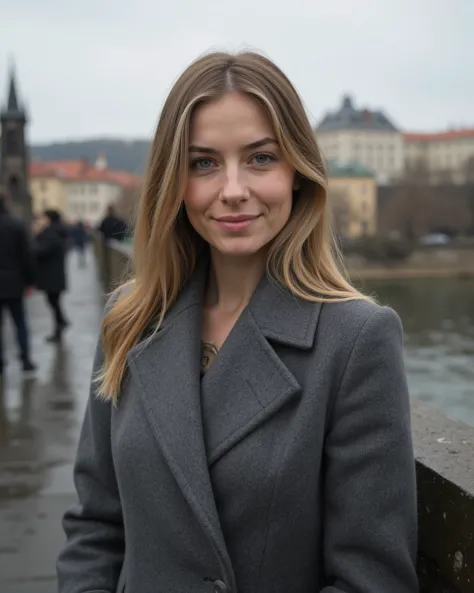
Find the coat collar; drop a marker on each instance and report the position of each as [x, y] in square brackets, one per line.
[281, 316]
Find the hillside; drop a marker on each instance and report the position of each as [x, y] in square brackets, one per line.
[123, 155]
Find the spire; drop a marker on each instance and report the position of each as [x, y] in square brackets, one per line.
[13, 110]
[12, 104]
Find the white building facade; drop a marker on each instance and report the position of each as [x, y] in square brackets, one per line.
[447, 156]
[363, 137]
[88, 199]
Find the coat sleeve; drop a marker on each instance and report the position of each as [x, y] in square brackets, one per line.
[92, 557]
[370, 523]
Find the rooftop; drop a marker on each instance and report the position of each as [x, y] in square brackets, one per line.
[439, 136]
[82, 170]
[348, 117]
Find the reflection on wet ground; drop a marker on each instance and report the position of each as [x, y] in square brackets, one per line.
[39, 424]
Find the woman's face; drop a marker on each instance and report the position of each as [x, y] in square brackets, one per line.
[239, 190]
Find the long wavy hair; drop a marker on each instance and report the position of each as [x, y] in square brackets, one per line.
[304, 257]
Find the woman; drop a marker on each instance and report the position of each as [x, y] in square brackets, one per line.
[248, 427]
[50, 249]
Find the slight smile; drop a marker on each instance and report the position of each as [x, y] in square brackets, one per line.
[236, 223]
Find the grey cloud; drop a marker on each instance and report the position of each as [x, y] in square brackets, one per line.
[103, 67]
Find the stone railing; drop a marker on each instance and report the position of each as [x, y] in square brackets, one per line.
[444, 451]
[114, 261]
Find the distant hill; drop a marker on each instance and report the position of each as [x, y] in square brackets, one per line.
[124, 155]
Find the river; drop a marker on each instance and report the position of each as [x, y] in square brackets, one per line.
[438, 318]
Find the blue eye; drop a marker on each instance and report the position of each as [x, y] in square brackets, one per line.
[262, 159]
[202, 164]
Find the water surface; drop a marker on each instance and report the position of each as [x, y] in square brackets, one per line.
[438, 318]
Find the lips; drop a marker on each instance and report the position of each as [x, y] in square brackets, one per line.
[237, 218]
[237, 222]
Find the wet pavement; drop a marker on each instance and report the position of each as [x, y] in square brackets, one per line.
[40, 421]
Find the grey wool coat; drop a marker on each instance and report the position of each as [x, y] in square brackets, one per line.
[288, 469]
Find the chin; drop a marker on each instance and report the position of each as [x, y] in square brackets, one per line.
[238, 247]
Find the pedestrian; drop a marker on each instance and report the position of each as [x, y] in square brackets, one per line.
[248, 427]
[112, 226]
[16, 279]
[51, 243]
[79, 239]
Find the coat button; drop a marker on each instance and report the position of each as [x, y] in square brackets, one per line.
[220, 587]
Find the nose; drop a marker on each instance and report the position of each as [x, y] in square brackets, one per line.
[234, 190]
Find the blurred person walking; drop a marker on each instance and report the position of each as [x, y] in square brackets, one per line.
[16, 278]
[51, 241]
[112, 226]
[79, 239]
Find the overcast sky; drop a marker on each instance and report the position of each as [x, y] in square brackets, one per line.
[97, 68]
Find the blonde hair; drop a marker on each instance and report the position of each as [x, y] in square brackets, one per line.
[304, 257]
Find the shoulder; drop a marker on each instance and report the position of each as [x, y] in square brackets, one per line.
[359, 321]
[355, 314]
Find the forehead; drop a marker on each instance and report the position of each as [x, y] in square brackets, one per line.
[235, 116]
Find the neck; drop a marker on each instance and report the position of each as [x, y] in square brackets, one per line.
[233, 280]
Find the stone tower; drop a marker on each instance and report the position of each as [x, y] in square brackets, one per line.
[14, 157]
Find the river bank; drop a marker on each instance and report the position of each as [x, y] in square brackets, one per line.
[432, 262]
[407, 273]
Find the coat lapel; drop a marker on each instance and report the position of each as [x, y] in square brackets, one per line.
[248, 382]
[166, 367]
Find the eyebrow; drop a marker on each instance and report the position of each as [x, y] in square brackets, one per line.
[252, 145]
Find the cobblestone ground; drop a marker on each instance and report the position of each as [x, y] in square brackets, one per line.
[39, 423]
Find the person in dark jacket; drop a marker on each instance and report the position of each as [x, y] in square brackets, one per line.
[79, 238]
[16, 277]
[113, 227]
[50, 248]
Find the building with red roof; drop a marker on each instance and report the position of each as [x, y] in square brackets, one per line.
[79, 189]
[448, 156]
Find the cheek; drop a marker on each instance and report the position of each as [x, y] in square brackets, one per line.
[194, 196]
[197, 201]
[278, 197]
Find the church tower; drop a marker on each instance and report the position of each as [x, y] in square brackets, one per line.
[14, 157]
